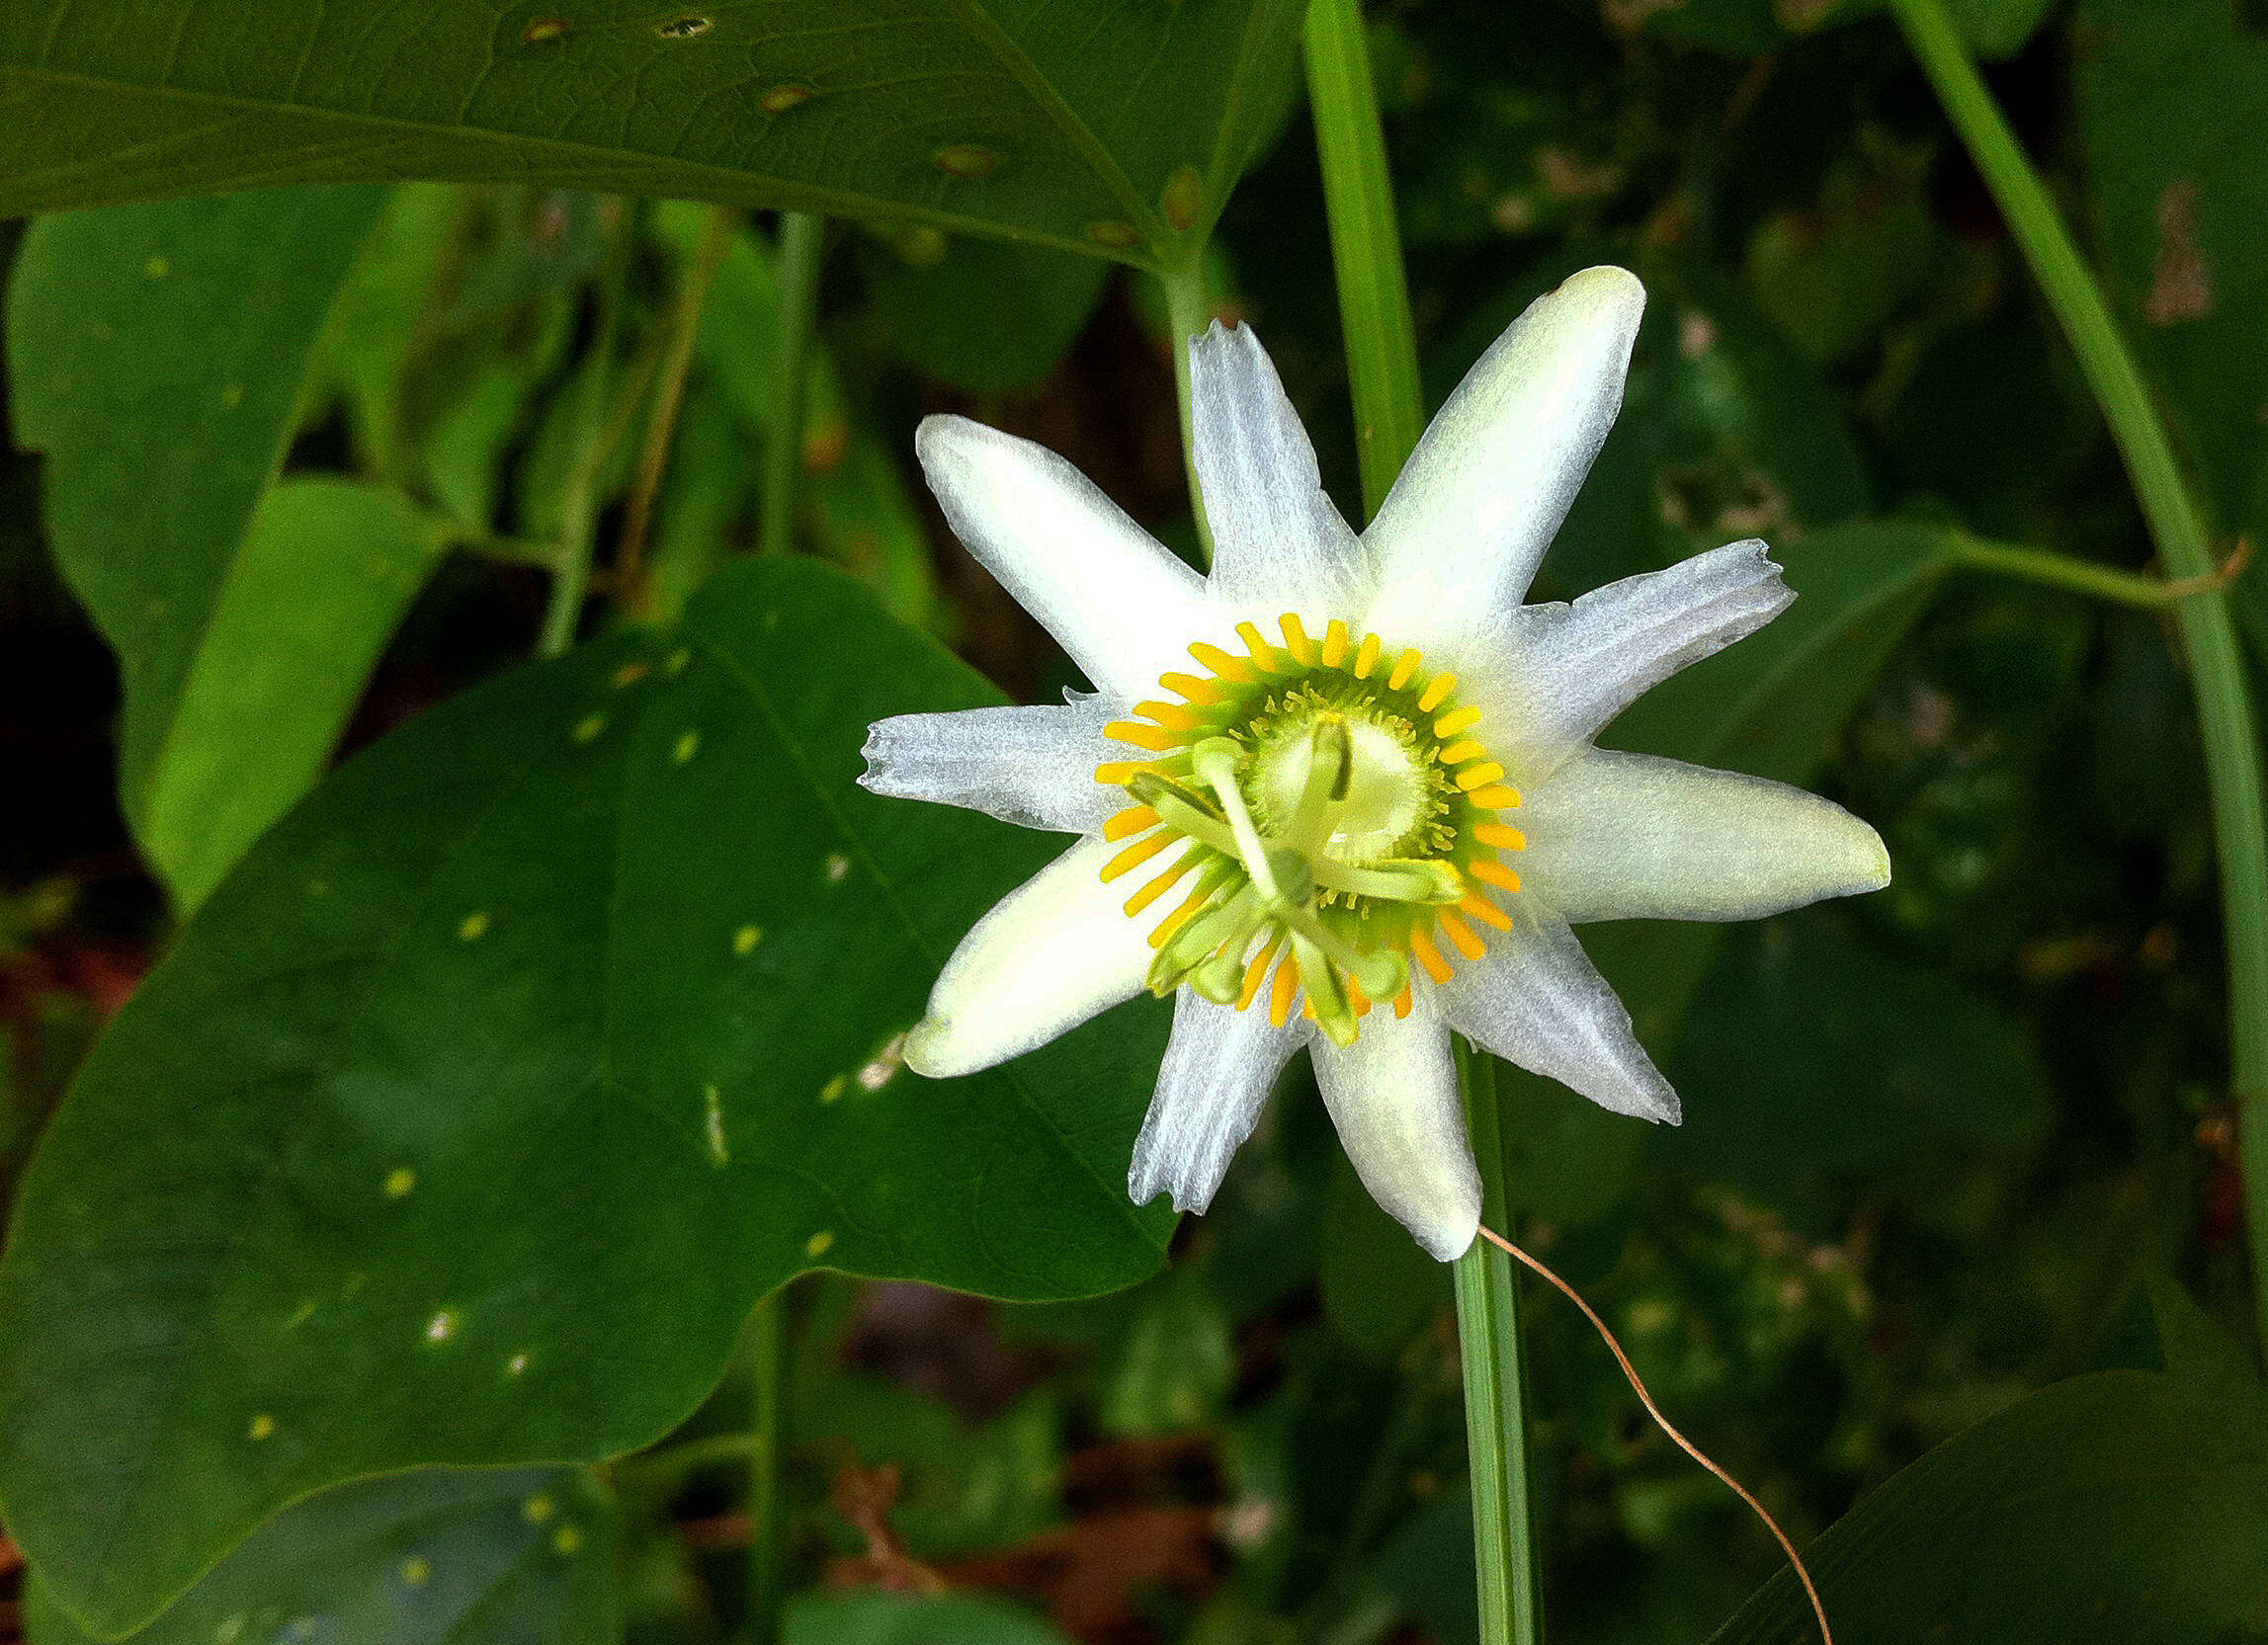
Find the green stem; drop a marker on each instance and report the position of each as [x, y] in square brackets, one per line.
[800, 234]
[2100, 581]
[1187, 313]
[1366, 246]
[579, 507]
[2216, 668]
[1496, 1407]
[764, 1349]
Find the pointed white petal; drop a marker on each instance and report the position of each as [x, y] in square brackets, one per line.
[1279, 543]
[1031, 767]
[1118, 601]
[1219, 1067]
[1537, 1001]
[1484, 492]
[1051, 954]
[1629, 836]
[1392, 1095]
[1564, 671]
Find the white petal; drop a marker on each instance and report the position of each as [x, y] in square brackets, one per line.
[1537, 1001]
[1629, 836]
[1219, 1067]
[1031, 767]
[1051, 954]
[1279, 542]
[1482, 495]
[1562, 671]
[1118, 601]
[1392, 1095]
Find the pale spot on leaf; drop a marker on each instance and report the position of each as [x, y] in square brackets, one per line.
[416, 1572]
[838, 867]
[780, 99]
[588, 727]
[819, 1243]
[744, 940]
[683, 28]
[399, 1181]
[884, 1065]
[714, 1103]
[542, 30]
[833, 1090]
[687, 745]
[157, 268]
[262, 1427]
[567, 1539]
[442, 1327]
[472, 926]
[538, 1508]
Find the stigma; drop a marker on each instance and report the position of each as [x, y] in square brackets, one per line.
[1330, 817]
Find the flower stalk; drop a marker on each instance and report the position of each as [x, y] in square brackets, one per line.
[2225, 711]
[801, 235]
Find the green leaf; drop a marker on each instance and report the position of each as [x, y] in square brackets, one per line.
[870, 1617]
[2181, 221]
[979, 314]
[1377, 1285]
[473, 1111]
[318, 588]
[2118, 1506]
[156, 356]
[437, 1557]
[1102, 128]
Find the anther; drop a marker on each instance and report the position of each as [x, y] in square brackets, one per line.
[1334, 644]
[1438, 693]
[1295, 639]
[1479, 777]
[1456, 720]
[1502, 837]
[1367, 656]
[1405, 669]
[1494, 872]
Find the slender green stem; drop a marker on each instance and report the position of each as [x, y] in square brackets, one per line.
[800, 234]
[1366, 246]
[1187, 315]
[763, 1351]
[2217, 667]
[579, 506]
[2100, 581]
[1496, 1406]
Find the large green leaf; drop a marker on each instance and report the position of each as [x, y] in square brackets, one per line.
[2181, 216]
[435, 1557]
[474, 1110]
[1097, 125]
[2120, 1507]
[872, 1617]
[156, 354]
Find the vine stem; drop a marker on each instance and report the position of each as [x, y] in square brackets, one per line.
[1389, 415]
[800, 234]
[763, 1352]
[1187, 313]
[595, 440]
[2217, 667]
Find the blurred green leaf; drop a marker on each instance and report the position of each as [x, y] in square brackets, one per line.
[2173, 108]
[156, 354]
[1174, 1367]
[477, 1107]
[1103, 128]
[983, 315]
[322, 580]
[2192, 1343]
[872, 1617]
[2113, 1508]
[436, 1557]
[1377, 1284]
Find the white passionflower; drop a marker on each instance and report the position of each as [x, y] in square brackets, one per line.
[1297, 781]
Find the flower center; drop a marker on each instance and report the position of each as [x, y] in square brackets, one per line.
[1336, 810]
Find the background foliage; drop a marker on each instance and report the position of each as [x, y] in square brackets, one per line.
[448, 1128]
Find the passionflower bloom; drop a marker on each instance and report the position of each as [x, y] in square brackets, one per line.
[1342, 793]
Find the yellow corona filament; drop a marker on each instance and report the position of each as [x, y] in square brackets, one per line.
[1486, 911]
[1468, 940]
[1118, 772]
[1180, 916]
[1497, 798]
[1402, 1002]
[1295, 639]
[1195, 686]
[1479, 777]
[1172, 716]
[1136, 854]
[1429, 956]
[1132, 820]
[1404, 666]
[1263, 655]
[1456, 720]
[1499, 836]
[1367, 656]
[1279, 995]
[1456, 753]
[1158, 886]
[1255, 972]
[1334, 644]
[1156, 738]
[1438, 693]
[1356, 998]
[1226, 664]
[1489, 872]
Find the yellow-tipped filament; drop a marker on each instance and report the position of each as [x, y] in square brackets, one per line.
[1338, 812]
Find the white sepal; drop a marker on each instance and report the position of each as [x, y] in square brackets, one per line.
[1632, 836]
[1051, 954]
[1031, 767]
[1279, 542]
[1393, 1096]
[1117, 601]
[1480, 498]
[1219, 1067]
[1537, 1001]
